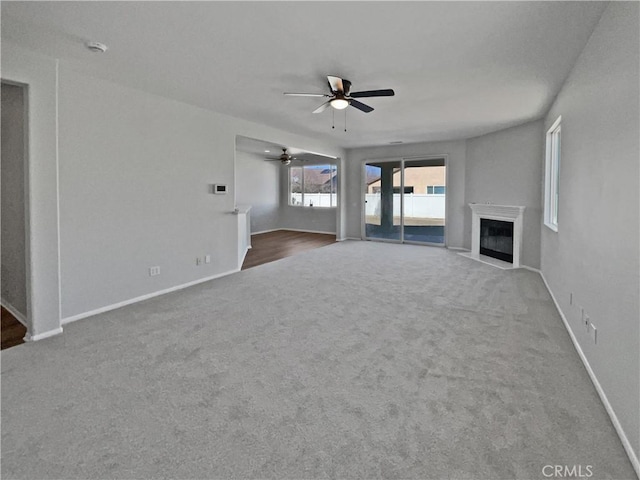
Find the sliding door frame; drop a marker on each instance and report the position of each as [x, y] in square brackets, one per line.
[363, 191]
[402, 160]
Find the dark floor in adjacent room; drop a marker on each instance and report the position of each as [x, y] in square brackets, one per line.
[13, 331]
[272, 246]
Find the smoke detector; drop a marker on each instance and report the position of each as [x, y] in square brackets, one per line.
[96, 47]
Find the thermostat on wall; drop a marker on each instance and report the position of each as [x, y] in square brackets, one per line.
[219, 189]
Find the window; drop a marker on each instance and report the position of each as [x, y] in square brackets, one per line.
[436, 189]
[552, 175]
[313, 186]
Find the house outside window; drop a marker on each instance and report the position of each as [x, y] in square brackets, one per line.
[552, 175]
[313, 186]
[436, 190]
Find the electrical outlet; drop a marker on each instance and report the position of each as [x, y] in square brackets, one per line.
[153, 271]
[207, 259]
[593, 332]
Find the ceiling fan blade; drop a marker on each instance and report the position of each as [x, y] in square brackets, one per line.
[346, 84]
[373, 93]
[335, 83]
[322, 107]
[361, 106]
[306, 94]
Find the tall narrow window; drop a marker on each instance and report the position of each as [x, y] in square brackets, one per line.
[552, 176]
[313, 186]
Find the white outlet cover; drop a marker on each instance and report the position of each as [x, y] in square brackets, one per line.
[207, 259]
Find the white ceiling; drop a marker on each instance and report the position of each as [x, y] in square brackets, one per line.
[459, 69]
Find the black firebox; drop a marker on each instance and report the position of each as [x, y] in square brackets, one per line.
[496, 239]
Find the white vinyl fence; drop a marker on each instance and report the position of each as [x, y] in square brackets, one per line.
[315, 199]
[415, 205]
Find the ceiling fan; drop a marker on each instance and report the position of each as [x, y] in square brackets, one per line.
[341, 95]
[284, 158]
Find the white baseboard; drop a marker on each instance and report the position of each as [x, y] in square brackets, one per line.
[536, 270]
[458, 249]
[292, 230]
[266, 231]
[41, 336]
[97, 311]
[353, 238]
[14, 311]
[603, 397]
[307, 231]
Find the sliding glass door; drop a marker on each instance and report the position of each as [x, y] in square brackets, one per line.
[424, 201]
[405, 200]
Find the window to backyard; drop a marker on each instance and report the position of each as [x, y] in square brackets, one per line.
[313, 186]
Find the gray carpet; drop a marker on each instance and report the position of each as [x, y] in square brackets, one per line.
[356, 360]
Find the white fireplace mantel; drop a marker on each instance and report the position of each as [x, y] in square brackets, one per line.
[506, 213]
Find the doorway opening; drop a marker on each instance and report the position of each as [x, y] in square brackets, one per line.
[405, 200]
[14, 237]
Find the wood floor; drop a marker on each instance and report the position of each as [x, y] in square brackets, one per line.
[271, 246]
[13, 331]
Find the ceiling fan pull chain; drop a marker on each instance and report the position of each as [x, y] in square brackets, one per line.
[333, 118]
[345, 120]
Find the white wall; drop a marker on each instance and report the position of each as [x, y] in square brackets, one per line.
[595, 253]
[134, 176]
[14, 267]
[258, 185]
[505, 168]
[456, 159]
[39, 73]
[135, 170]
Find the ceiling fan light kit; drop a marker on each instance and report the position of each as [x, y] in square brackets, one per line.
[339, 103]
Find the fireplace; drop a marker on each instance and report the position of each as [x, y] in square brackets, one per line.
[496, 239]
[509, 244]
